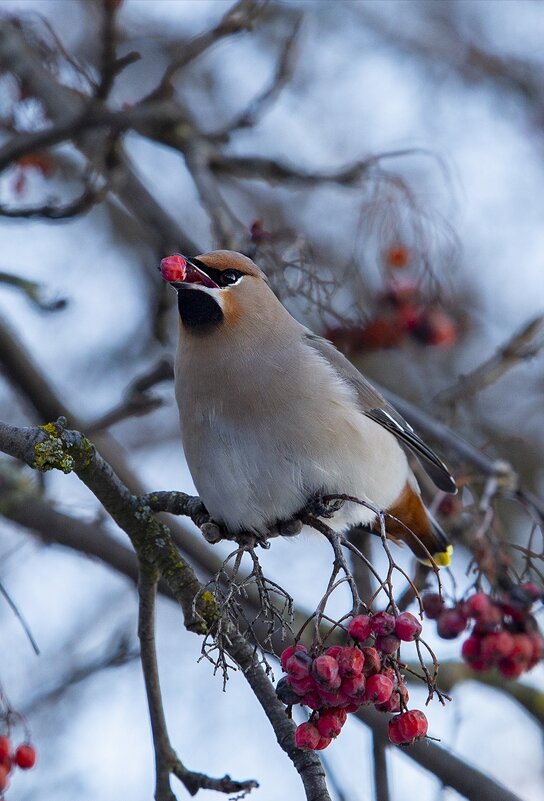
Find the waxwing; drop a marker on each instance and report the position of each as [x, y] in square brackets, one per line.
[273, 416]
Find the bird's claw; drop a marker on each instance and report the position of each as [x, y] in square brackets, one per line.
[319, 506]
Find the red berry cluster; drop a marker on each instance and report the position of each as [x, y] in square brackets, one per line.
[343, 678]
[23, 757]
[504, 633]
[404, 312]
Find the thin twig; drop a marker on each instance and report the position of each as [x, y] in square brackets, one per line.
[15, 609]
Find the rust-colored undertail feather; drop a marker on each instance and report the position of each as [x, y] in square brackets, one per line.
[408, 521]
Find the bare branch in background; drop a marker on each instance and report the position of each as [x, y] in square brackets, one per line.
[452, 771]
[51, 211]
[238, 18]
[381, 780]
[258, 107]
[36, 293]
[522, 347]
[117, 653]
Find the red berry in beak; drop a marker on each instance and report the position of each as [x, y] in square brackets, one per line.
[174, 268]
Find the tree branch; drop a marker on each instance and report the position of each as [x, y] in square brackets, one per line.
[450, 769]
[524, 345]
[166, 759]
[238, 18]
[53, 447]
[379, 758]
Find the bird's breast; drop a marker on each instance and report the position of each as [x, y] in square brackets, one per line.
[260, 442]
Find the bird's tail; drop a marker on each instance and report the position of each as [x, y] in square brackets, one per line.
[409, 521]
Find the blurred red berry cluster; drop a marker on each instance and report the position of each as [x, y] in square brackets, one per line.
[403, 312]
[343, 678]
[503, 634]
[24, 757]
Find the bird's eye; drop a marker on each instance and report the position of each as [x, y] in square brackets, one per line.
[229, 277]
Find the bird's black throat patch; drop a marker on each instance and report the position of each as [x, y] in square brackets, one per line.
[198, 310]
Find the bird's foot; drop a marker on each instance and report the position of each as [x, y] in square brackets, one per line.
[318, 506]
[289, 528]
[214, 532]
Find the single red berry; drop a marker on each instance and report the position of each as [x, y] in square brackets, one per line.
[450, 623]
[433, 605]
[359, 628]
[302, 686]
[350, 662]
[25, 756]
[373, 661]
[298, 665]
[285, 692]
[497, 645]
[288, 652]
[382, 623]
[335, 697]
[397, 256]
[471, 648]
[312, 700]
[354, 686]
[258, 233]
[307, 736]
[330, 723]
[387, 643]
[522, 650]
[5, 748]
[407, 627]
[174, 268]
[394, 733]
[449, 506]
[413, 725]
[323, 743]
[334, 650]
[325, 669]
[394, 704]
[378, 689]
[511, 669]
[471, 651]
[353, 707]
[478, 605]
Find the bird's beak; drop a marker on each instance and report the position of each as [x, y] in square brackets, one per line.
[180, 271]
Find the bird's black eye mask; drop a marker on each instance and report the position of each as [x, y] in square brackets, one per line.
[222, 278]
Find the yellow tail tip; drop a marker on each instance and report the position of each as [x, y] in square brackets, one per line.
[441, 559]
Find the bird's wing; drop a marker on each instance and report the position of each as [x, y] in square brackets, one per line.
[378, 409]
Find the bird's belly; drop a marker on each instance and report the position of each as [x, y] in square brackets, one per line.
[249, 477]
